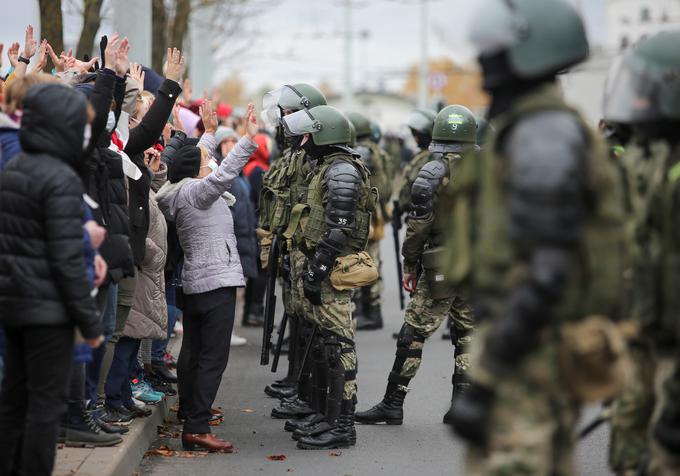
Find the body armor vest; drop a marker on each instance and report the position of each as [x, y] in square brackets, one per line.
[307, 223]
[410, 173]
[283, 186]
[600, 265]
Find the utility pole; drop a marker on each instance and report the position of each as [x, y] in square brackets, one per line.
[348, 92]
[423, 70]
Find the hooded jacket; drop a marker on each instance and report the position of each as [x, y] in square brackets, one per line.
[43, 278]
[204, 224]
[9, 139]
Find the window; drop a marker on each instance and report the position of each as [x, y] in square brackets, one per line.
[623, 44]
[645, 15]
[625, 21]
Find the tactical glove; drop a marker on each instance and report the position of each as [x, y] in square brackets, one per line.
[471, 413]
[667, 429]
[312, 290]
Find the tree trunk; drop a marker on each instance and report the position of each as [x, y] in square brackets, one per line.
[159, 27]
[180, 23]
[51, 25]
[91, 22]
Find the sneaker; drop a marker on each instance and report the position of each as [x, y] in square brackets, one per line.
[169, 360]
[143, 392]
[138, 404]
[158, 385]
[97, 414]
[83, 431]
[117, 416]
[238, 341]
[136, 411]
[179, 329]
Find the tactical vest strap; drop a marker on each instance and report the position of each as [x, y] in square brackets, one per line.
[295, 217]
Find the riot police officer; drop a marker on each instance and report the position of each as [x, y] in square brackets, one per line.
[331, 222]
[367, 300]
[548, 259]
[643, 99]
[433, 298]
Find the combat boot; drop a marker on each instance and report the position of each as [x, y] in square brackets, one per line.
[373, 319]
[390, 410]
[460, 385]
[292, 410]
[342, 434]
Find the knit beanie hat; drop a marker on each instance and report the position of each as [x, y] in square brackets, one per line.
[186, 163]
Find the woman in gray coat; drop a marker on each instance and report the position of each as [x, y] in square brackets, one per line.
[197, 200]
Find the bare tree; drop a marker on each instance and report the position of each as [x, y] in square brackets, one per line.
[51, 23]
[91, 21]
[159, 38]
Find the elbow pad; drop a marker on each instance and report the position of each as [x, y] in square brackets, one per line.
[329, 248]
[425, 188]
[344, 184]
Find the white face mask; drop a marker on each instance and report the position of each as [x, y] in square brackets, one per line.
[87, 134]
[110, 122]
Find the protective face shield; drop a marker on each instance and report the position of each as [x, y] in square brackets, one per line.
[87, 135]
[421, 121]
[496, 29]
[641, 92]
[299, 123]
[283, 98]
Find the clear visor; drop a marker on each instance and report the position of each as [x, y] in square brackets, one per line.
[632, 95]
[494, 27]
[285, 98]
[419, 121]
[299, 123]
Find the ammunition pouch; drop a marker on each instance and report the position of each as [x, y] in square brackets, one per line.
[353, 271]
[432, 261]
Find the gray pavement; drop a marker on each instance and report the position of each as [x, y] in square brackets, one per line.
[423, 445]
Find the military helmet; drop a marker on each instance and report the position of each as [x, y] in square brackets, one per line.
[643, 85]
[291, 98]
[455, 124]
[421, 120]
[361, 123]
[326, 124]
[353, 135]
[376, 132]
[540, 37]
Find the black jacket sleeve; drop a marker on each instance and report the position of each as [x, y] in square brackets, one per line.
[102, 94]
[150, 129]
[63, 205]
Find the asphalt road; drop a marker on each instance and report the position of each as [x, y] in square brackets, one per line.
[422, 445]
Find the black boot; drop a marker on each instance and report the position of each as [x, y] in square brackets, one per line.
[253, 315]
[83, 431]
[460, 384]
[161, 371]
[340, 435]
[361, 303]
[281, 392]
[389, 410]
[373, 319]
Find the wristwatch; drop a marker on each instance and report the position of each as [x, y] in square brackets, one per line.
[24, 60]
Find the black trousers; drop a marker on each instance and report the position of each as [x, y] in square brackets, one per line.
[208, 322]
[34, 395]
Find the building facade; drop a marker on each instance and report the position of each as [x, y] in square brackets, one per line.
[630, 20]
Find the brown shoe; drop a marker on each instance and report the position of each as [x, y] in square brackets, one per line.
[205, 441]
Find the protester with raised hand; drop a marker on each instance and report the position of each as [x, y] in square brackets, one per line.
[194, 201]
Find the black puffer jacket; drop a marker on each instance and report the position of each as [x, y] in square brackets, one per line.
[43, 277]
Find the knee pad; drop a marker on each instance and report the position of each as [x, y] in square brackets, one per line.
[409, 334]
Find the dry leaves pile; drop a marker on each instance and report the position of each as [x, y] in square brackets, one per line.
[168, 452]
[277, 457]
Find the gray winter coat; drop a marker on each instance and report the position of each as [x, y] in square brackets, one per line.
[204, 224]
[149, 314]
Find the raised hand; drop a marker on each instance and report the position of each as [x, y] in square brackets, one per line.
[57, 61]
[122, 61]
[30, 44]
[13, 54]
[42, 56]
[174, 64]
[209, 116]
[186, 91]
[137, 74]
[176, 121]
[110, 51]
[251, 122]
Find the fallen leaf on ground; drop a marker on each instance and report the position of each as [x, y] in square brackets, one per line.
[336, 453]
[191, 454]
[277, 457]
[247, 410]
[174, 408]
[161, 451]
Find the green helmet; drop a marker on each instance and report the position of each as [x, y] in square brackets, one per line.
[353, 135]
[290, 98]
[455, 124]
[644, 84]
[421, 120]
[361, 123]
[541, 37]
[376, 132]
[326, 124]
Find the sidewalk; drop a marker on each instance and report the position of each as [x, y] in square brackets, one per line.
[123, 459]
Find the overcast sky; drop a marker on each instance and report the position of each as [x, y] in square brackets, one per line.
[302, 40]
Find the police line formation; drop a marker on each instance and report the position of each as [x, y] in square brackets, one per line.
[553, 253]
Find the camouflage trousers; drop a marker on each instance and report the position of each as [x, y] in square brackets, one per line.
[532, 419]
[426, 315]
[634, 413]
[333, 316]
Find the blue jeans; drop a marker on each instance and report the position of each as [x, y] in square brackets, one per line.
[158, 347]
[124, 366]
[109, 323]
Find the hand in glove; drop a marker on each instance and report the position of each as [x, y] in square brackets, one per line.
[471, 413]
[312, 290]
[667, 429]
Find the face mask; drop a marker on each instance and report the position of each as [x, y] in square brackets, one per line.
[110, 122]
[87, 134]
